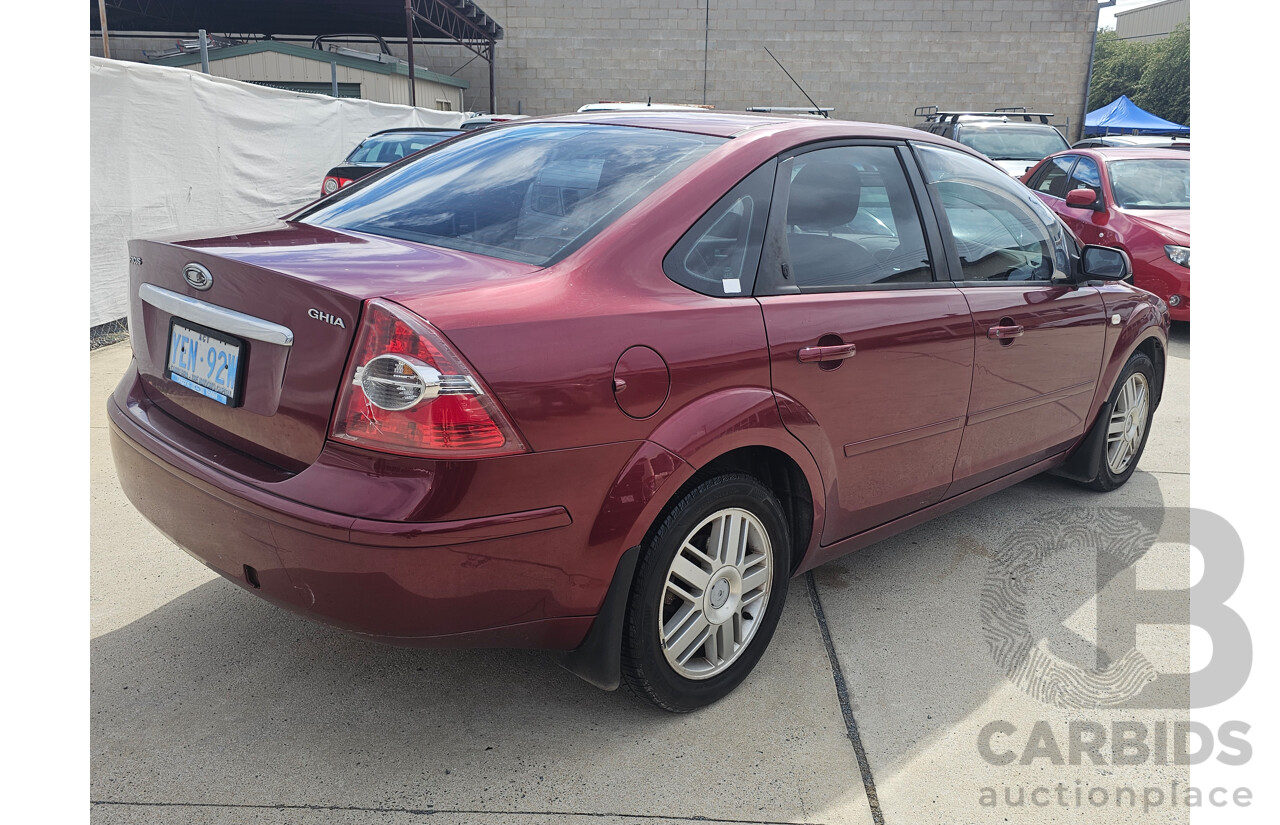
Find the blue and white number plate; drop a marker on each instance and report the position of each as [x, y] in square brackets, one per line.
[205, 361]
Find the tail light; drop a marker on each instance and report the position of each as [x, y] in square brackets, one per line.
[407, 392]
[333, 183]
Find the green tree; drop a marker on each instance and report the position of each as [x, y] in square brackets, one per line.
[1156, 75]
[1165, 87]
[1118, 66]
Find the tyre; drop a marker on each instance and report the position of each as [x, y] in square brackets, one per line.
[1128, 425]
[709, 589]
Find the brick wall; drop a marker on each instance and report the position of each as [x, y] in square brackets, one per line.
[870, 59]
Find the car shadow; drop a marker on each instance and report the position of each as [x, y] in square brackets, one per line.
[218, 699]
[922, 629]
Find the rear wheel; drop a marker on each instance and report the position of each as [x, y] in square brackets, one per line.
[708, 593]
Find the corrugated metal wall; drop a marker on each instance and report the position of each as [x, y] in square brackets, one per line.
[273, 67]
[1152, 22]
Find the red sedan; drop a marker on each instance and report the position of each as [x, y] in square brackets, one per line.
[604, 383]
[1136, 199]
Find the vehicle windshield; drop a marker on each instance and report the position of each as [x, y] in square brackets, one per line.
[525, 193]
[384, 149]
[1012, 142]
[1151, 184]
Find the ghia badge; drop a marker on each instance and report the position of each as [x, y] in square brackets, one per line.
[326, 317]
[197, 276]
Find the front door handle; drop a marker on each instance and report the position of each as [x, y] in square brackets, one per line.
[1004, 333]
[839, 352]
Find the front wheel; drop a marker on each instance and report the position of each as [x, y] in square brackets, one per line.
[707, 596]
[1129, 424]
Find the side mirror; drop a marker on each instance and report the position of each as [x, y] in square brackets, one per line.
[1104, 263]
[1083, 199]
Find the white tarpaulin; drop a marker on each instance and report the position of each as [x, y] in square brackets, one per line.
[173, 150]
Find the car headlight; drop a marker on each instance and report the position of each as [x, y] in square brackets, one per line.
[1180, 255]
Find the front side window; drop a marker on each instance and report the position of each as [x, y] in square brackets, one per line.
[1002, 232]
[1052, 177]
[1085, 176]
[528, 193]
[851, 221]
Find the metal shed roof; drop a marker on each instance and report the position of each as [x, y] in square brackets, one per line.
[316, 55]
[452, 19]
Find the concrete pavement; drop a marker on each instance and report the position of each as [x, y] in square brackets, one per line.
[209, 705]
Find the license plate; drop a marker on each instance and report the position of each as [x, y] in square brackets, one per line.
[206, 361]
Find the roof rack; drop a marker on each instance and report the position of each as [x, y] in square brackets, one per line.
[819, 111]
[1013, 113]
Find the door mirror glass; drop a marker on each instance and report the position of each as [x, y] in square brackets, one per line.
[1104, 263]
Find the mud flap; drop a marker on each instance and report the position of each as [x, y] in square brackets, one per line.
[598, 659]
[1086, 462]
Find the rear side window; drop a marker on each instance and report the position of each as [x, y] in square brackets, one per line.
[851, 221]
[719, 255]
[526, 193]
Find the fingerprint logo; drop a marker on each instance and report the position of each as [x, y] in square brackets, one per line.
[1094, 540]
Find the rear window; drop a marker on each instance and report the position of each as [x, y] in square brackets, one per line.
[528, 193]
[1012, 142]
[391, 148]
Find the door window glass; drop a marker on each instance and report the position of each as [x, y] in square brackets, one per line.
[1052, 177]
[851, 221]
[1085, 176]
[1002, 232]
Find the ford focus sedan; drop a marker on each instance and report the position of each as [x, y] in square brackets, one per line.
[603, 383]
[1135, 199]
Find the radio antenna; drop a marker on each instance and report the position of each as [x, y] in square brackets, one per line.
[816, 107]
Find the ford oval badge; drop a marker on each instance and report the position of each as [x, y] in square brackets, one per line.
[198, 276]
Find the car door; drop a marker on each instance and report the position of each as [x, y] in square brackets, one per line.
[1090, 225]
[1038, 337]
[871, 354]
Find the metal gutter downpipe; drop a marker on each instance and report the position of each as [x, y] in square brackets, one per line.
[1088, 75]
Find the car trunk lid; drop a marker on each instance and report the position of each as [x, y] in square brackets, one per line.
[279, 312]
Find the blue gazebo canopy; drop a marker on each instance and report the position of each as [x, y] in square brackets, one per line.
[1123, 117]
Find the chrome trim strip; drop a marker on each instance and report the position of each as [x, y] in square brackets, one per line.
[227, 320]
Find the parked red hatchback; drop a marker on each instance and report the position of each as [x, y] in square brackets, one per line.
[603, 383]
[1136, 199]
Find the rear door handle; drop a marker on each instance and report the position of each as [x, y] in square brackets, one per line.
[838, 352]
[1005, 333]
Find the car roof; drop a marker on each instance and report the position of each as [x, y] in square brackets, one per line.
[984, 123]
[731, 124]
[1105, 153]
[1136, 140]
[415, 130]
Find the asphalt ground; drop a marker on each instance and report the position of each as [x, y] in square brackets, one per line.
[989, 657]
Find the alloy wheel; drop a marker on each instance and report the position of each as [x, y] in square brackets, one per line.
[715, 594]
[1128, 423]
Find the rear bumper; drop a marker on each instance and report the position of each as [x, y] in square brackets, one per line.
[509, 580]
